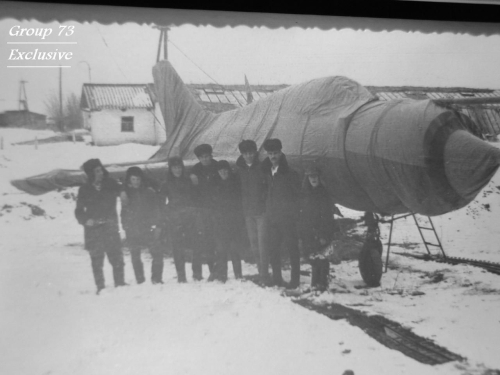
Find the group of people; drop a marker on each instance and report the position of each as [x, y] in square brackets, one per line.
[203, 210]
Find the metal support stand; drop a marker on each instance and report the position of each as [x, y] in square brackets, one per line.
[420, 230]
[433, 229]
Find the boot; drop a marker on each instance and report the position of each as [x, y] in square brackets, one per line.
[315, 273]
[324, 273]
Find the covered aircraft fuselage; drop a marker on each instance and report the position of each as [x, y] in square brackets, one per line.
[387, 157]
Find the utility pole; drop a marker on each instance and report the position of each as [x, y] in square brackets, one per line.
[88, 66]
[163, 37]
[23, 103]
[23, 98]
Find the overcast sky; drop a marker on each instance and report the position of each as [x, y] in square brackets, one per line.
[126, 54]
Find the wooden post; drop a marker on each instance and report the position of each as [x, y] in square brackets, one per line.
[1, 143]
[73, 137]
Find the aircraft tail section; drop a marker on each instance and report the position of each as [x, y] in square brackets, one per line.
[177, 104]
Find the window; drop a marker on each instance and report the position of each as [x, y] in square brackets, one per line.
[128, 124]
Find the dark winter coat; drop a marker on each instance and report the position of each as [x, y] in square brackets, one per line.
[253, 187]
[228, 213]
[283, 193]
[179, 214]
[179, 191]
[208, 178]
[140, 213]
[316, 217]
[100, 206]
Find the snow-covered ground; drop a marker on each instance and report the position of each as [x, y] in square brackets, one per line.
[51, 321]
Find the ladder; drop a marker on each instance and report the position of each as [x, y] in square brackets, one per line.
[422, 228]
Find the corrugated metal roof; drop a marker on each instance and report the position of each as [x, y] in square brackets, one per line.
[235, 95]
[485, 116]
[115, 96]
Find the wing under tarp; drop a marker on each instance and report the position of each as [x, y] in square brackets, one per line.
[64, 178]
[386, 157]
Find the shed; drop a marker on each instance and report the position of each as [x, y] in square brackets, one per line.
[121, 113]
[20, 118]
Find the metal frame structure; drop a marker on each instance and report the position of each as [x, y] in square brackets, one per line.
[420, 230]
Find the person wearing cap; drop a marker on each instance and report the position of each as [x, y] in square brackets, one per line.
[316, 225]
[205, 178]
[96, 211]
[253, 194]
[228, 222]
[140, 219]
[179, 215]
[282, 209]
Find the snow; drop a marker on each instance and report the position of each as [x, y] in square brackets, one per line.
[53, 323]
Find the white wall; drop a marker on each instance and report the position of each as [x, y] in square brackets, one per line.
[105, 126]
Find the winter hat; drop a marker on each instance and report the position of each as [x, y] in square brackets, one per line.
[89, 166]
[175, 160]
[247, 145]
[134, 171]
[202, 150]
[313, 171]
[223, 164]
[272, 144]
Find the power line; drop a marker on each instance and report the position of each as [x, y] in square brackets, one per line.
[112, 57]
[208, 75]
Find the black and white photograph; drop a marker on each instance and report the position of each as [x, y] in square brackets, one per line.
[222, 192]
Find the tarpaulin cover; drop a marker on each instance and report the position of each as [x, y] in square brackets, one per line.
[387, 157]
[382, 156]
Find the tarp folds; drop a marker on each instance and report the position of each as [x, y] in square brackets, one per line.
[302, 116]
[386, 157]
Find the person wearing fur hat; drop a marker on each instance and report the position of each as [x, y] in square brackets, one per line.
[179, 215]
[282, 209]
[228, 222]
[96, 211]
[205, 177]
[140, 219]
[316, 225]
[253, 193]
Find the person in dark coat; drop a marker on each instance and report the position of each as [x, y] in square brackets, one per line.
[227, 222]
[180, 215]
[316, 225]
[253, 191]
[282, 209]
[205, 177]
[140, 217]
[96, 211]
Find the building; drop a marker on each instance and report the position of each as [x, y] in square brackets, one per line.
[485, 116]
[20, 118]
[121, 113]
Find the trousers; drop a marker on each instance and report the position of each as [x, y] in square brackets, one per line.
[255, 226]
[106, 242]
[282, 232]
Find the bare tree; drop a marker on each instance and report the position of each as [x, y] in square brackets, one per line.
[71, 114]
